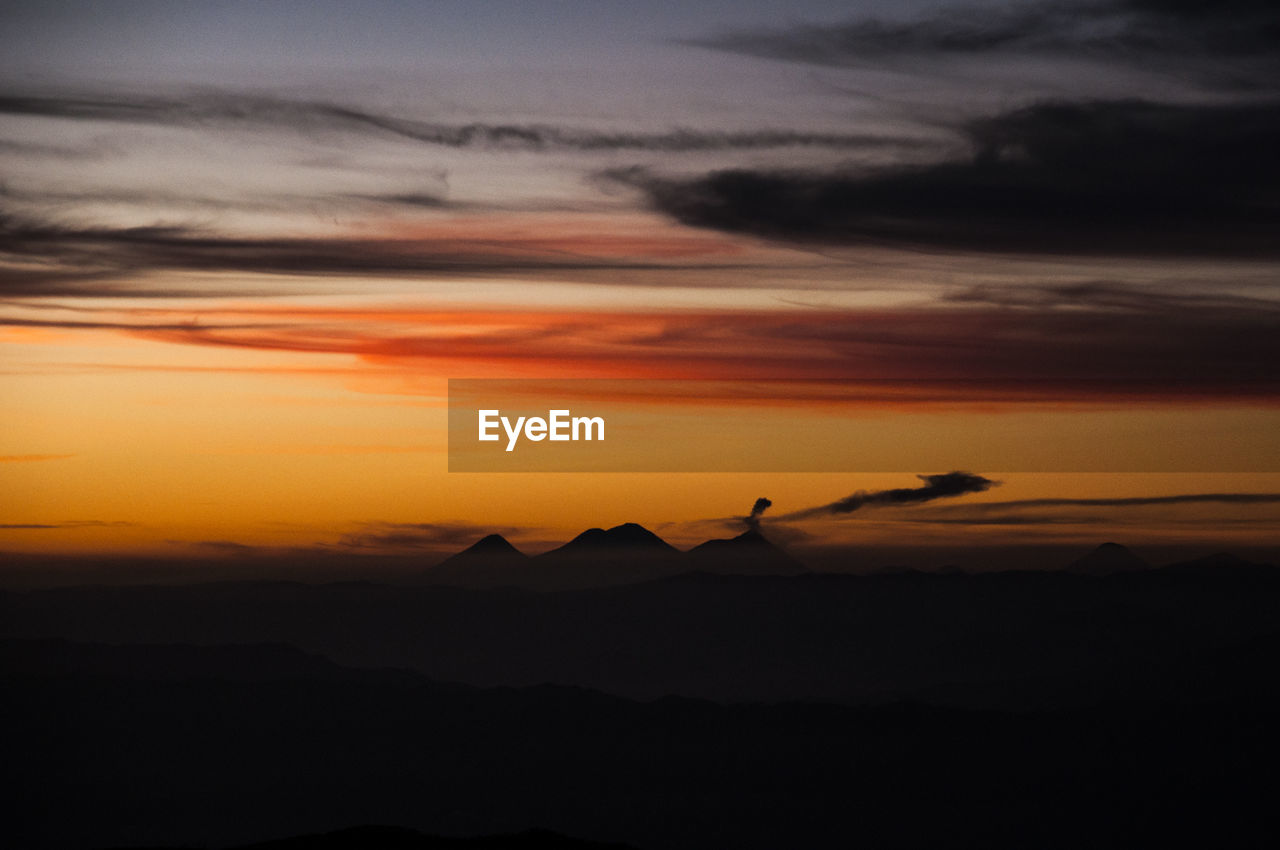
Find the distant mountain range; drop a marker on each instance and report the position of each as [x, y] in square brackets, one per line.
[630, 553]
[624, 554]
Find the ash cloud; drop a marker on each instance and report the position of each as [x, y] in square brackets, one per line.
[941, 486]
[752, 519]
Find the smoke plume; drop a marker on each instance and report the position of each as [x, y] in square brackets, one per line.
[753, 519]
[935, 487]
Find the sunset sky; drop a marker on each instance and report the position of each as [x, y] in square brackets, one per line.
[244, 246]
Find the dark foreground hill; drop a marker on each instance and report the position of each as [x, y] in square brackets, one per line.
[1009, 640]
[400, 838]
[165, 746]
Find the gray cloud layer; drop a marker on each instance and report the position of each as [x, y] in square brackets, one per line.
[1127, 178]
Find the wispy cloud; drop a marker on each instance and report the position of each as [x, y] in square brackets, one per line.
[47, 258]
[419, 535]
[250, 112]
[1134, 501]
[946, 485]
[1083, 511]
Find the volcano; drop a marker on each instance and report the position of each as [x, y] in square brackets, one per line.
[750, 553]
[624, 554]
[1106, 559]
[626, 540]
[489, 562]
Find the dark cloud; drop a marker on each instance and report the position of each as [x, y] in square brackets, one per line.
[418, 199]
[1236, 42]
[240, 111]
[1135, 501]
[1165, 298]
[197, 201]
[954, 29]
[70, 283]
[418, 535]
[47, 258]
[1075, 511]
[71, 324]
[1127, 178]
[941, 486]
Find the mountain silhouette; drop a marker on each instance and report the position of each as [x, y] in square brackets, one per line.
[628, 539]
[749, 553]
[624, 554]
[489, 562]
[491, 545]
[1106, 559]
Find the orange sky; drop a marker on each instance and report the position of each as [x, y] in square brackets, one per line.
[329, 421]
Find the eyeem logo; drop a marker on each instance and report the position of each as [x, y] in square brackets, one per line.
[558, 427]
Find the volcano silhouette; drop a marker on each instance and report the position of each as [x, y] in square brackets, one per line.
[1106, 559]
[489, 562]
[626, 540]
[623, 554]
[749, 553]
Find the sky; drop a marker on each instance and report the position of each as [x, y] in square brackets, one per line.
[244, 246]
